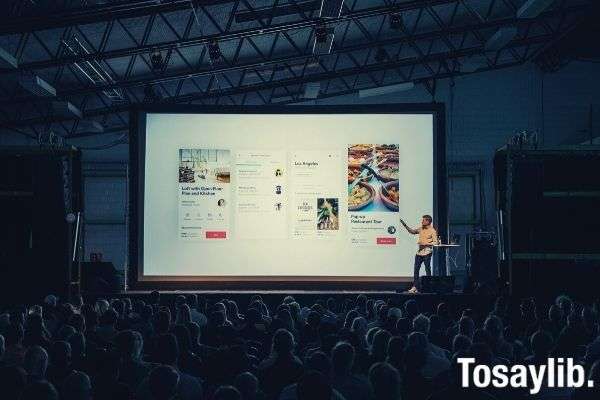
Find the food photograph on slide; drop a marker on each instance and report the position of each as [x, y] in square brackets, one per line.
[373, 184]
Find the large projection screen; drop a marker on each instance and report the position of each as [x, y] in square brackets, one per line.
[284, 194]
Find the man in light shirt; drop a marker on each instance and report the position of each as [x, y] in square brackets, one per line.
[427, 238]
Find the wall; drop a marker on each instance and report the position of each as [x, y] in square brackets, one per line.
[483, 111]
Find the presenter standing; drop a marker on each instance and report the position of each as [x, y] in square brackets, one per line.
[427, 238]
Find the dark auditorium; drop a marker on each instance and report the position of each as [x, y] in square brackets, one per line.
[175, 222]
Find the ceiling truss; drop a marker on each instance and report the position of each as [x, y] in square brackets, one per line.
[264, 52]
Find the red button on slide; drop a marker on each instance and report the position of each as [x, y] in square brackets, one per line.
[216, 234]
[386, 240]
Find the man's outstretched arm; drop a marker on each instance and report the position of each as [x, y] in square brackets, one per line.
[408, 228]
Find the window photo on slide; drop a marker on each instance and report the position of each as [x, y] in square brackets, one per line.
[209, 165]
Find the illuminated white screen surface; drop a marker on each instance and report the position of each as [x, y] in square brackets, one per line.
[247, 234]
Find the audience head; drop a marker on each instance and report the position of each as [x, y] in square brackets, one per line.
[385, 381]
[411, 308]
[13, 335]
[129, 344]
[395, 350]
[421, 324]
[192, 300]
[109, 318]
[35, 363]
[163, 382]
[565, 303]
[555, 314]
[155, 297]
[461, 343]
[466, 326]
[184, 314]
[227, 393]
[247, 384]
[380, 344]
[418, 340]
[318, 361]
[283, 342]
[541, 344]
[78, 345]
[102, 306]
[482, 353]
[313, 385]
[167, 349]
[77, 386]
[443, 311]
[342, 358]
[371, 334]
[60, 354]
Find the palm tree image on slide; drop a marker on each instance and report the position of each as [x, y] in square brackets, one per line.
[327, 214]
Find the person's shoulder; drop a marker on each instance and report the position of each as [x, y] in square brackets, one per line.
[266, 363]
[189, 380]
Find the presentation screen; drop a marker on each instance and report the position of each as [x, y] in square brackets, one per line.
[309, 195]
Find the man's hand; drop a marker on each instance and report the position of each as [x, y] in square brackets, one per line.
[410, 230]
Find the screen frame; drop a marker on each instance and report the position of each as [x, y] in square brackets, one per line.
[136, 175]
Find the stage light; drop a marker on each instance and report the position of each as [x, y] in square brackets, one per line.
[151, 94]
[533, 8]
[214, 51]
[156, 59]
[378, 91]
[396, 22]
[323, 40]
[381, 55]
[501, 38]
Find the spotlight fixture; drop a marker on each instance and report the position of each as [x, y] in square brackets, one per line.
[151, 94]
[381, 55]
[396, 22]
[156, 59]
[323, 40]
[321, 34]
[214, 51]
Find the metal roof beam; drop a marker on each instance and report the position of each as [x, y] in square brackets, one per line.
[261, 64]
[231, 35]
[295, 81]
[91, 15]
